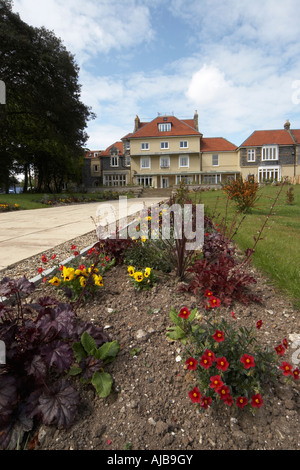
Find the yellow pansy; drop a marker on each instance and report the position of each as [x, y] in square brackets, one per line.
[92, 268]
[130, 270]
[98, 280]
[143, 239]
[81, 272]
[147, 272]
[55, 281]
[82, 281]
[68, 273]
[138, 276]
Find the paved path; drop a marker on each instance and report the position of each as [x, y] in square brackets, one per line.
[29, 232]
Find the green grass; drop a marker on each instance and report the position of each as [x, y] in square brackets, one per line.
[278, 254]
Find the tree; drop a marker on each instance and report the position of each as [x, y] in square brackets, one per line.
[42, 125]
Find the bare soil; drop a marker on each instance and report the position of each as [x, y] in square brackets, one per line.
[149, 407]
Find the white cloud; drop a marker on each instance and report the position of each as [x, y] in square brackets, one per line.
[90, 27]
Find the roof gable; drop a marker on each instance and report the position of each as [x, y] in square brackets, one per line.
[118, 145]
[178, 128]
[259, 138]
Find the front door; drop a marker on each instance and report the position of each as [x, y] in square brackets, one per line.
[165, 182]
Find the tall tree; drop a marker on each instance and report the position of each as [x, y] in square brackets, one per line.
[43, 122]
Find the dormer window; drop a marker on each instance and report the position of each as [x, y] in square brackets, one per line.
[164, 127]
[114, 160]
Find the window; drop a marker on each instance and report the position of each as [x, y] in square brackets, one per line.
[144, 180]
[269, 152]
[96, 168]
[127, 145]
[127, 160]
[165, 162]
[251, 153]
[96, 154]
[215, 160]
[145, 162]
[164, 127]
[184, 161]
[269, 173]
[183, 144]
[115, 180]
[164, 145]
[187, 179]
[211, 179]
[144, 146]
[114, 161]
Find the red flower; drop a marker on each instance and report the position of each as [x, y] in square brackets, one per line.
[61, 267]
[53, 256]
[287, 368]
[208, 293]
[106, 258]
[228, 400]
[73, 247]
[44, 259]
[206, 402]
[218, 336]
[296, 373]
[280, 350]
[81, 267]
[205, 361]
[216, 382]
[195, 395]
[285, 343]
[222, 363]
[223, 391]
[233, 315]
[40, 270]
[44, 279]
[214, 302]
[256, 401]
[75, 253]
[184, 313]
[191, 363]
[248, 361]
[259, 324]
[241, 402]
[210, 355]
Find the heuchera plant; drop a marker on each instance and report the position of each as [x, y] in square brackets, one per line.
[229, 363]
[34, 382]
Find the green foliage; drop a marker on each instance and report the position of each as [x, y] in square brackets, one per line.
[90, 361]
[243, 192]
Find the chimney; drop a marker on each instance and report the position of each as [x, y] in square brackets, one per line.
[136, 123]
[287, 125]
[196, 121]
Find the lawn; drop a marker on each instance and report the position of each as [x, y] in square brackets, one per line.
[278, 253]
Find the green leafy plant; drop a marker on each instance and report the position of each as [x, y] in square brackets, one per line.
[243, 192]
[230, 364]
[90, 361]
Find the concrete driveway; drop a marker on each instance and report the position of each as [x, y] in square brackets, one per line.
[30, 232]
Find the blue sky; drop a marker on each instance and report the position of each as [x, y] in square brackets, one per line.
[236, 62]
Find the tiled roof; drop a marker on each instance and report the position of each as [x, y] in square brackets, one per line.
[106, 153]
[258, 138]
[91, 153]
[216, 144]
[178, 128]
[296, 134]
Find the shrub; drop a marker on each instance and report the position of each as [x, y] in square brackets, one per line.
[244, 193]
[34, 383]
[230, 365]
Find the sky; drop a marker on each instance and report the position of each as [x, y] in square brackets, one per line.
[234, 61]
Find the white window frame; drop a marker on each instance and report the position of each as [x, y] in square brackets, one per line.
[251, 155]
[214, 155]
[183, 144]
[164, 145]
[167, 162]
[127, 160]
[188, 161]
[188, 179]
[114, 161]
[211, 179]
[143, 161]
[269, 172]
[145, 146]
[164, 127]
[269, 153]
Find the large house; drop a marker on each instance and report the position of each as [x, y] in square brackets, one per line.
[271, 155]
[167, 150]
[163, 152]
